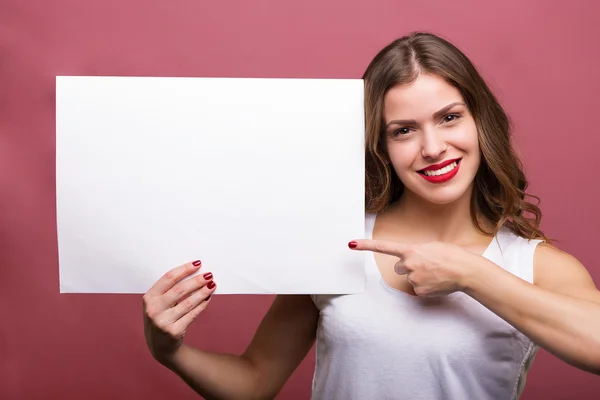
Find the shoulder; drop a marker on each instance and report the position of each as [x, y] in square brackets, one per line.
[514, 253]
[559, 271]
[551, 263]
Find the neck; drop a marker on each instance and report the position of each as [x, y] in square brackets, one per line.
[434, 222]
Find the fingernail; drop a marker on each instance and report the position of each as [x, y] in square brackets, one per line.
[208, 298]
[208, 276]
[211, 284]
[352, 245]
[197, 263]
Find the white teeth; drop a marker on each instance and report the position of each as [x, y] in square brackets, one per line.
[442, 171]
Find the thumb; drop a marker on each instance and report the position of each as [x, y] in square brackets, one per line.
[400, 268]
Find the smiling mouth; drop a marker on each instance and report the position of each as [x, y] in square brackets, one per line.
[441, 170]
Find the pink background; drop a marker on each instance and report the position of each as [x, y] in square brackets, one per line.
[540, 57]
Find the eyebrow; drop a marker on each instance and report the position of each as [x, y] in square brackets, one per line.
[436, 115]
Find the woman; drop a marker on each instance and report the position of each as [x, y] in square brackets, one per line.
[462, 286]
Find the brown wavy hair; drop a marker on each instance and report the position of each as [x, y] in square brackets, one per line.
[500, 185]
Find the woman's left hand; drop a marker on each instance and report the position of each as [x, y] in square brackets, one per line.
[433, 269]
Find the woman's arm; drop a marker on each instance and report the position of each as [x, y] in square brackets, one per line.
[283, 339]
[560, 311]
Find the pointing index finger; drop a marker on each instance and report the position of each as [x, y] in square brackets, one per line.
[380, 246]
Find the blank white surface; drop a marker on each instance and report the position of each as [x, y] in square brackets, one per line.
[261, 179]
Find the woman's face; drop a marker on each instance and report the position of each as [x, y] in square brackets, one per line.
[431, 139]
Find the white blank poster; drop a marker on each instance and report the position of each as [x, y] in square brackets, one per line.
[261, 179]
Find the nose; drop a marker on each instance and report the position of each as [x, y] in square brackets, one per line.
[433, 146]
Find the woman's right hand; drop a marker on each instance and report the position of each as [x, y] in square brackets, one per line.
[171, 305]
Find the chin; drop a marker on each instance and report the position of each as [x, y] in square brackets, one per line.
[441, 195]
[443, 199]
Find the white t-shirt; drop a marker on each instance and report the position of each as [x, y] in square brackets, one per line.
[386, 344]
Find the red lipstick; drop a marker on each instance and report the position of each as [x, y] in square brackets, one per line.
[441, 177]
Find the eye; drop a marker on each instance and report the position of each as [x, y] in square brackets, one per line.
[451, 117]
[401, 131]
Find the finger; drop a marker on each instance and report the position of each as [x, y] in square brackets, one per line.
[380, 246]
[187, 316]
[164, 316]
[400, 268]
[183, 289]
[178, 328]
[173, 276]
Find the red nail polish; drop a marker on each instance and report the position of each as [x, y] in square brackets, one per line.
[208, 276]
[211, 284]
[197, 263]
[208, 298]
[352, 245]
